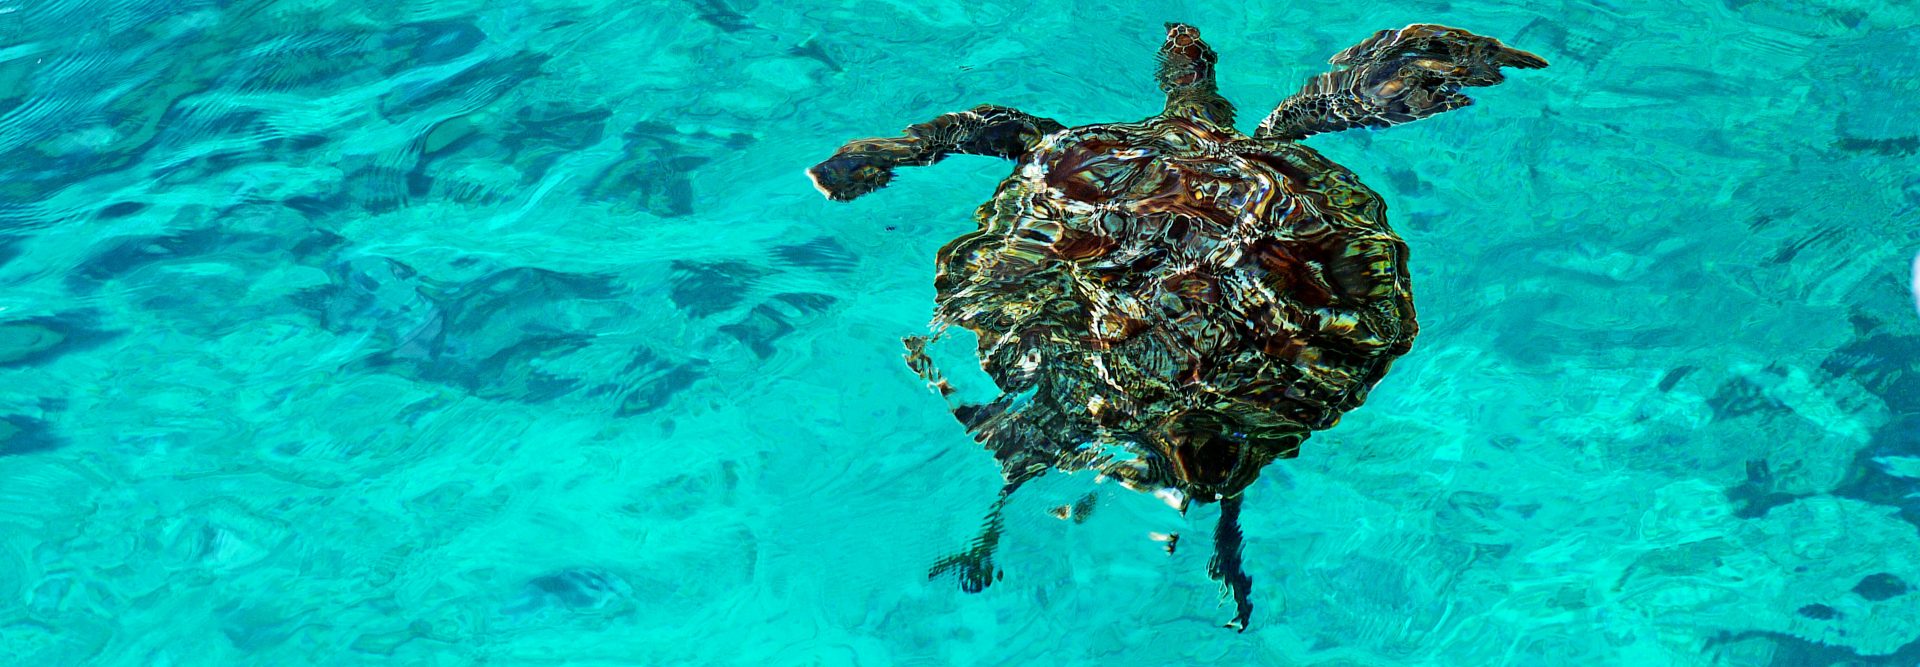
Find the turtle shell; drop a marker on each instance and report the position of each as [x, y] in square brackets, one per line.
[1202, 299]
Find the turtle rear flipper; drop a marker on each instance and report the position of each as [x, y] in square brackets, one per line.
[864, 165]
[1393, 77]
[998, 426]
[974, 566]
[1226, 566]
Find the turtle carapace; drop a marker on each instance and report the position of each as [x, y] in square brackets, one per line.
[1170, 302]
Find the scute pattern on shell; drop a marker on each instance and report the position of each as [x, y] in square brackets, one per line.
[1164, 272]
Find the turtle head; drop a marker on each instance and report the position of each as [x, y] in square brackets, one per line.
[1186, 75]
[1185, 61]
[851, 173]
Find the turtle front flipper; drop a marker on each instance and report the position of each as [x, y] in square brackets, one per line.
[1393, 77]
[1226, 567]
[864, 165]
[1186, 74]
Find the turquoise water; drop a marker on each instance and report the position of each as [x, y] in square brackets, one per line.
[450, 333]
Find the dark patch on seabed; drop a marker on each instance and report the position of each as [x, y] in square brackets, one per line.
[1869, 477]
[1673, 377]
[715, 483]
[1881, 586]
[651, 176]
[1584, 47]
[1818, 612]
[119, 210]
[651, 381]
[775, 319]
[318, 59]
[36, 341]
[378, 299]
[182, 128]
[381, 188]
[436, 41]
[1888, 366]
[1756, 496]
[573, 590]
[541, 132]
[134, 252]
[236, 60]
[656, 168]
[706, 288]
[821, 254]
[1739, 397]
[1791, 651]
[473, 87]
[20, 434]
[1820, 240]
[9, 249]
[315, 207]
[498, 327]
[813, 50]
[1544, 343]
[1895, 147]
[489, 336]
[535, 138]
[719, 15]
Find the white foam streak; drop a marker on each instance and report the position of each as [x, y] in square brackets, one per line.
[1916, 283]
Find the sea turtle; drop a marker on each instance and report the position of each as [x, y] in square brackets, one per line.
[1170, 302]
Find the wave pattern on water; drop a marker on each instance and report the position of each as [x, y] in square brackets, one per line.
[441, 331]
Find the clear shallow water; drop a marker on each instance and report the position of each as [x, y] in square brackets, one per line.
[450, 332]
